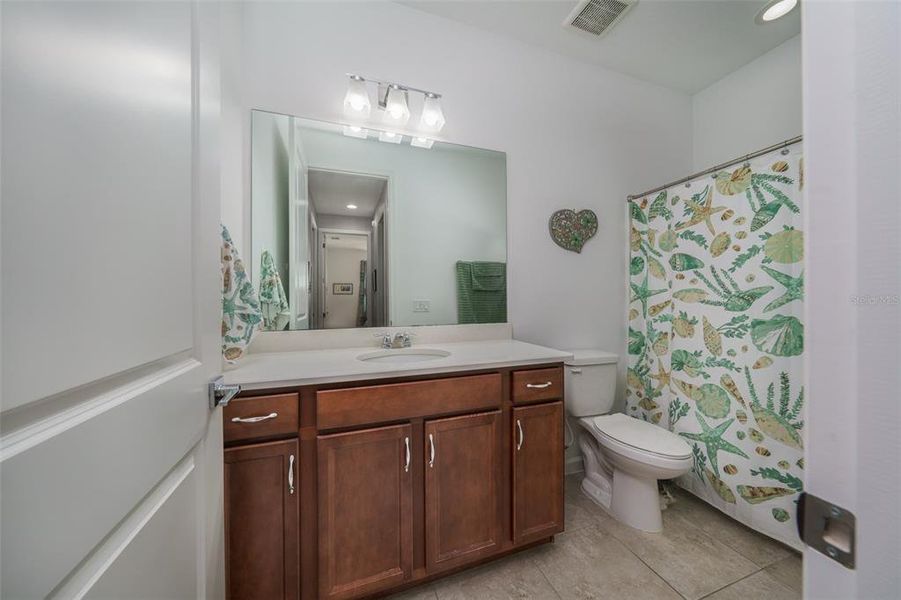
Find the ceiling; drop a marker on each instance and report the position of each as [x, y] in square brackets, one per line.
[332, 191]
[685, 45]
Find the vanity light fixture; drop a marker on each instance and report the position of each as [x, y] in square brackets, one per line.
[775, 9]
[421, 142]
[355, 131]
[432, 118]
[396, 110]
[352, 207]
[390, 137]
[394, 102]
[356, 100]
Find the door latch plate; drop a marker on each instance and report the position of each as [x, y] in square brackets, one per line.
[827, 528]
[220, 393]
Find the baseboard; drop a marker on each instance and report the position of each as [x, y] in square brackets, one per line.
[573, 465]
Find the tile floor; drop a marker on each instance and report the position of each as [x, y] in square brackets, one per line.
[700, 554]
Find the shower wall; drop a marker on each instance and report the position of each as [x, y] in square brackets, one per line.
[753, 107]
[716, 336]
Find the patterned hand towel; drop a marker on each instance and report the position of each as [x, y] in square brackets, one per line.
[241, 315]
[273, 301]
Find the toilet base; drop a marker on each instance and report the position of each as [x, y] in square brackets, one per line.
[632, 500]
[636, 502]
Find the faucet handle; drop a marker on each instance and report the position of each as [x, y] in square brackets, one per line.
[385, 337]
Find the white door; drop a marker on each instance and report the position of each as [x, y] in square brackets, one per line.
[852, 131]
[110, 458]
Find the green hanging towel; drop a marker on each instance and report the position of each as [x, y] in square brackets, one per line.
[481, 292]
[273, 301]
[240, 309]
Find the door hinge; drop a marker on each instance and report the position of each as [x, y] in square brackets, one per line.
[827, 528]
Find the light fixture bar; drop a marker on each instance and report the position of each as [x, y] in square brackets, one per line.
[403, 86]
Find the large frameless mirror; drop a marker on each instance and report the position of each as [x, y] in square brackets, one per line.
[361, 228]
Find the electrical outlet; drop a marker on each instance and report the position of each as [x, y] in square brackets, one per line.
[422, 305]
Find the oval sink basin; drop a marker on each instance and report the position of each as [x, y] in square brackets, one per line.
[403, 355]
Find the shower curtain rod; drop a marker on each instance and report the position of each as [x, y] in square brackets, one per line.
[713, 169]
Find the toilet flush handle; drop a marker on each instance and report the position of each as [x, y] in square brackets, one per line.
[575, 370]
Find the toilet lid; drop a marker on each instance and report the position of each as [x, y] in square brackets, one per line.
[642, 435]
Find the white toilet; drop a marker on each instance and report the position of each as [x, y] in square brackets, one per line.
[623, 456]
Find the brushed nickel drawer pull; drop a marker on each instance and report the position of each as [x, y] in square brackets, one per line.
[521, 435]
[431, 451]
[254, 419]
[291, 474]
[408, 456]
[539, 386]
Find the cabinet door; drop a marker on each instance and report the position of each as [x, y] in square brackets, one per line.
[462, 489]
[365, 511]
[261, 521]
[537, 471]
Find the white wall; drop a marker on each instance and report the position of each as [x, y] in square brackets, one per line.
[270, 165]
[754, 107]
[343, 267]
[575, 136]
[445, 204]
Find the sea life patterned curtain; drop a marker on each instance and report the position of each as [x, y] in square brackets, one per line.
[716, 336]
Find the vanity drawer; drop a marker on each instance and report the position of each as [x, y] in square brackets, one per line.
[260, 417]
[537, 385]
[403, 401]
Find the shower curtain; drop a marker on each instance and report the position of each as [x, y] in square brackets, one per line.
[716, 335]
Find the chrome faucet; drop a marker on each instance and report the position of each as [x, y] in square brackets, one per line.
[401, 339]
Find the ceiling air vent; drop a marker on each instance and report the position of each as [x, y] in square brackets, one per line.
[597, 16]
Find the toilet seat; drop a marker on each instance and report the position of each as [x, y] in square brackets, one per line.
[639, 442]
[621, 431]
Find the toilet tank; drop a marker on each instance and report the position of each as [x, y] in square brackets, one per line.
[590, 382]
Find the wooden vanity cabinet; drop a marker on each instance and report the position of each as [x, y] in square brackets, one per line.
[463, 467]
[261, 522]
[538, 481]
[365, 511]
[399, 481]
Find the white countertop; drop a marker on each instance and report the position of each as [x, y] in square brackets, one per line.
[310, 367]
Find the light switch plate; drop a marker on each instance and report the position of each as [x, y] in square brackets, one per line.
[422, 305]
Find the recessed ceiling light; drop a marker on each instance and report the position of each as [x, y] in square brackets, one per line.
[352, 206]
[775, 9]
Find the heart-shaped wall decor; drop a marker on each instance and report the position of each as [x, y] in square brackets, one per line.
[570, 229]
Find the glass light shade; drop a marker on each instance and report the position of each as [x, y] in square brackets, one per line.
[356, 101]
[390, 137]
[396, 110]
[356, 132]
[421, 142]
[432, 118]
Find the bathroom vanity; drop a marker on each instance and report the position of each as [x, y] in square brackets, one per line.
[351, 478]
